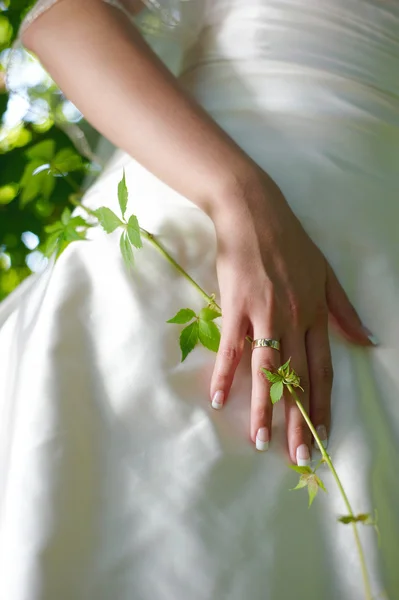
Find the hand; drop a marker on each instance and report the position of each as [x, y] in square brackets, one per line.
[275, 283]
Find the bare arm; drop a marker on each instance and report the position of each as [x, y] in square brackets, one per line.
[104, 66]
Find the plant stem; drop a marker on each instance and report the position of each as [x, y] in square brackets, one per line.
[210, 299]
[78, 191]
[345, 498]
[76, 202]
[72, 183]
[68, 179]
[152, 239]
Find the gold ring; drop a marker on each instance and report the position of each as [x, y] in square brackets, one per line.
[266, 343]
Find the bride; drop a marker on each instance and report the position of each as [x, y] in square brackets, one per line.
[269, 168]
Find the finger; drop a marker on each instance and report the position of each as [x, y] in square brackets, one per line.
[227, 359]
[343, 314]
[298, 433]
[261, 405]
[321, 377]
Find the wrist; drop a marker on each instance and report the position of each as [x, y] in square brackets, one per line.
[233, 191]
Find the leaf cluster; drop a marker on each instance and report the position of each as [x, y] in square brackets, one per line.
[131, 235]
[45, 204]
[61, 233]
[364, 519]
[310, 480]
[44, 165]
[201, 329]
[283, 376]
[41, 116]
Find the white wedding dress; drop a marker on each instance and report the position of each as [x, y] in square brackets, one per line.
[117, 479]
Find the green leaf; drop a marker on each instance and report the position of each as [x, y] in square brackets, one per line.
[6, 31]
[109, 221]
[36, 180]
[321, 462]
[56, 227]
[123, 195]
[8, 193]
[272, 377]
[28, 171]
[362, 518]
[303, 482]
[208, 314]
[30, 192]
[31, 184]
[127, 252]
[188, 339]
[346, 519]
[67, 160]
[133, 231]
[44, 151]
[71, 235]
[64, 232]
[52, 244]
[209, 335]
[65, 216]
[313, 488]
[48, 186]
[79, 222]
[284, 369]
[320, 483]
[365, 518]
[71, 232]
[302, 470]
[276, 391]
[183, 316]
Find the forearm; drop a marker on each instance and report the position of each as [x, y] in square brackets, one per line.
[104, 66]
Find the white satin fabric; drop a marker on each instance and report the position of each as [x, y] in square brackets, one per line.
[117, 478]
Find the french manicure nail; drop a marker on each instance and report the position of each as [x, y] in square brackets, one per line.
[217, 400]
[262, 439]
[373, 338]
[322, 433]
[302, 456]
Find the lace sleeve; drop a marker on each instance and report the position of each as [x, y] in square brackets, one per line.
[177, 19]
[40, 7]
[129, 7]
[169, 26]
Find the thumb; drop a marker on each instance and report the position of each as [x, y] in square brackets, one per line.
[344, 316]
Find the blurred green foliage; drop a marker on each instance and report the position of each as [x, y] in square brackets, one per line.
[39, 166]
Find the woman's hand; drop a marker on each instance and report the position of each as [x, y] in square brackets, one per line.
[275, 283]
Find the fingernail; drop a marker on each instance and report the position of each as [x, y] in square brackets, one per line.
[302, 456]
[373, 338]
[322, 433]
[217, 400]
[262, 439]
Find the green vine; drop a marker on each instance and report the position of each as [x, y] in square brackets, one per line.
[201, 328]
